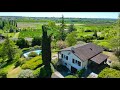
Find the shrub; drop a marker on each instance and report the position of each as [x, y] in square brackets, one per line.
[109, 73]
[36, 41]
[61, 44]
[25, 50]
[32, 54]
[79, 73]
[26, 74]
[20, 62]
[37, 47]
[33, 63]
[22, 43]
[3, 74]
[88, 31]
[40, 72]
[100, 38]
[70, 76]
[115, 66]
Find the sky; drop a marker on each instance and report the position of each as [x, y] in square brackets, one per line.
[66, 14]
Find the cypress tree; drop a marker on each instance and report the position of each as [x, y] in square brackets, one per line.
[46, 50]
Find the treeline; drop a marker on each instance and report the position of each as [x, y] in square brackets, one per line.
[58, 20]
[8, 25]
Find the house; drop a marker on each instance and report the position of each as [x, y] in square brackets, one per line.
[80, 56]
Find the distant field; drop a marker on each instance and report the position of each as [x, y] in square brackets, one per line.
[35, 24]
[29, 24]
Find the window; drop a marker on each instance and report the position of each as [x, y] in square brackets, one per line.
[62, 55]
[66, 57]
[73, 60]
[79, 63]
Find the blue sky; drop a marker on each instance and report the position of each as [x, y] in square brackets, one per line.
[66, 14]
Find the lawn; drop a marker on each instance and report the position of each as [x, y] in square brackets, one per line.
[30, 33]
[8, 68]
[16, 35]
[14, 73]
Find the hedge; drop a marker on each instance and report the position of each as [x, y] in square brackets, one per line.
[70, 76]
[33, 63]
[109, 73]
[40, 72]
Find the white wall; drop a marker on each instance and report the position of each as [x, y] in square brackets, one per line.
[69, 61]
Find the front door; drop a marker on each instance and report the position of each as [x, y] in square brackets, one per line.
[73, 70]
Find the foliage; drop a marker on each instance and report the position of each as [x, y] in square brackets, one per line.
[40, 72]
[71, 39]
[87, 30]
[115, 43]
[36, 41]
[61, 44]
[87, 38]
[20, 62]
[3, 74]
[53, 45]
[70, 76]
[22, 43]
[26, 74]
[9, 49]
[32, 54]
[95, 33]
[71, 28]
[37, 47]
[62, 33]
[46, 49]
[109, 73]
[32, 63]
[115, 65]
[25, 49]
[100, 38]
[79, 73]
[30, 33]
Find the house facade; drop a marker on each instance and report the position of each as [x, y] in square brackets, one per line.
[78, 57]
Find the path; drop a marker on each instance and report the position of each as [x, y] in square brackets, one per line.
[56, 74]
[54, 56]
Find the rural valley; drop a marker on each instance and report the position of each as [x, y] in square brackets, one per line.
[33, 47]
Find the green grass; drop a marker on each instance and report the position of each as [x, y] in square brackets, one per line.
[1, 31]
[8, 67]
[16, 35]
[30, 33]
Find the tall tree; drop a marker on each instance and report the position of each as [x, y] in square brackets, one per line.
[95, 33]
[71, 28]
[9, 49]
[62, 31]
[71, 39]
[46, 50]
[115, 41]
